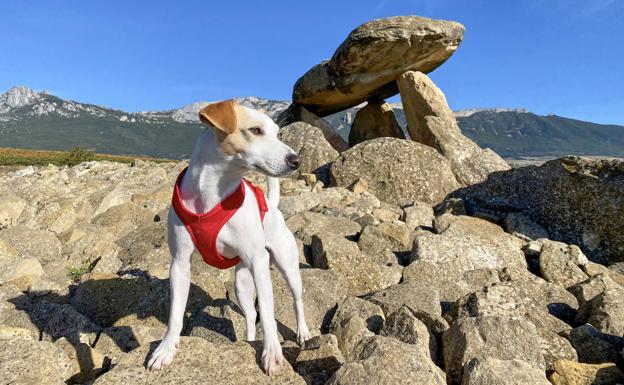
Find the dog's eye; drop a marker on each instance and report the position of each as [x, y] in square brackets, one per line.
[256, 130]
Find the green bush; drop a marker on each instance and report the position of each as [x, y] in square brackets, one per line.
[78, 155]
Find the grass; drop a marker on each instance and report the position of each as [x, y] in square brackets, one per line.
[23, 157]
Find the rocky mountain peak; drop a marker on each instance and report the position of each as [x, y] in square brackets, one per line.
[19, 96]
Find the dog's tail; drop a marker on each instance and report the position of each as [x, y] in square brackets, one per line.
[273, 194]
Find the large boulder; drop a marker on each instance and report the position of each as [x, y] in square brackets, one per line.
[28, 362]
[491, 371]
[364, 274]
[466, 254]
[430, 121]
[315, 153]
[375, 120]
[367, 63]
[385, 360]
[198, 361]
[398, 171]
[552, 194]
[500, 337]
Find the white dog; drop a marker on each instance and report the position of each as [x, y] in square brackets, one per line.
[240, 139]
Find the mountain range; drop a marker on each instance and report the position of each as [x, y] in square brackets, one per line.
[39, 120]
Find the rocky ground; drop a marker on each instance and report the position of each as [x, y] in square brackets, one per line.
[424, 261]
[394, 292]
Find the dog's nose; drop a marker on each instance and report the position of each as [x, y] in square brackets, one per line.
[293, 161]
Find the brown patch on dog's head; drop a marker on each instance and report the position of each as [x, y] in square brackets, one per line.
[230, 123]
[221, 116]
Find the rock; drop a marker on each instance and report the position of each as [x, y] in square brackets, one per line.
[87, 363]
[595, 347]
[110, 300]
[319, 359]
[466, 255]
[404, 326]
[14, 316]
[430, 121]
[305, 225]
[384, 360]
[591, 269]
[11, 208]
[554, 348]
[600, 304]
[491, 371]
[375, 120]
[452, 284]
[124, 217]
[296, 113]
[506, 300]
[418, 215]
[522, 226]
[605, 311]
[41, 245]
[363, 273]
[367, 63]
[27, 362]
[422, 301]
[386, 242]
[323, 289]
[315, 153]
[372, 314]
[221, 321]
[198, 360]
[23, 272]
[115, 341]
[478, 244]
[574, 373]
[397, 170]
[349, 332]
[146, 248]
[497, 337]
[61, 320]
[551, 195]
[558, 265]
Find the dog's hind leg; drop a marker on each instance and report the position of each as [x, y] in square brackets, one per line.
[245, 291]
[181, 247]
[283, 248]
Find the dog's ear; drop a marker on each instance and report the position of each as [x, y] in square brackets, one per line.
[221, 115]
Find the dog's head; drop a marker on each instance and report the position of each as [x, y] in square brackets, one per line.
[250, 136]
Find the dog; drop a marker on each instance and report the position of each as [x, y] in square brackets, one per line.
[238, 139]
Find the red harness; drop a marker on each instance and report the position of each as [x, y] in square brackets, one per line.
[204, 228]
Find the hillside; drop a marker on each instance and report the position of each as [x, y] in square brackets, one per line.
[38, 120]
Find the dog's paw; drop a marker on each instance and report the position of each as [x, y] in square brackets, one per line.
[303, 334]
[163, 355]
[272, 357]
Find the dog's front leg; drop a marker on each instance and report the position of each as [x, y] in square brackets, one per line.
[181, 248]
[272, 350]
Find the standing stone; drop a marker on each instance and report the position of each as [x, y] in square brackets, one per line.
[373, 121]
[430, 121]
[372, 56]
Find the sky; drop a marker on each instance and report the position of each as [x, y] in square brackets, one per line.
[548, 56]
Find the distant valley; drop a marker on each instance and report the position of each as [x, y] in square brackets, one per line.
[38, 120]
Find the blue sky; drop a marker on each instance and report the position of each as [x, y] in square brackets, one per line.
[549, 56]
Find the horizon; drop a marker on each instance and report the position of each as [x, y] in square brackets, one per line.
[155, 58]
